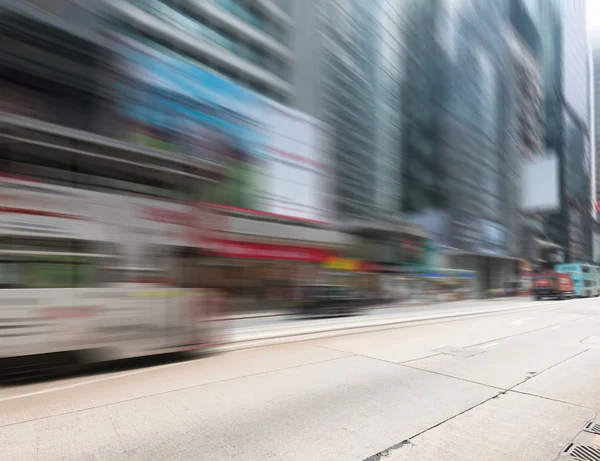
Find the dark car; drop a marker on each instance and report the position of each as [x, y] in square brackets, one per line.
[330, 300]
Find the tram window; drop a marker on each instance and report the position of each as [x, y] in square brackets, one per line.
[11, 275]
[45, 271]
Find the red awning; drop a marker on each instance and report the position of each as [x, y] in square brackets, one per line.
[246, 250]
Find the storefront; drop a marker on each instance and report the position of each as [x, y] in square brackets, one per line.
[266, 275]
[360, 275]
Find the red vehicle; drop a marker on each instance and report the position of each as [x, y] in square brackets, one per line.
[553, 285]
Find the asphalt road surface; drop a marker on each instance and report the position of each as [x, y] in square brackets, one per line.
[518, 384]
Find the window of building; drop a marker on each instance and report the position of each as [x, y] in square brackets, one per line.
[247, 13]
[212, 33]
[233, 76]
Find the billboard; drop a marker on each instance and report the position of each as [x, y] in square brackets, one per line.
[170, 104]
[31, 208]
[540, 187]
[296, 179]
[478, 235]
[596, 247]
[272, 154]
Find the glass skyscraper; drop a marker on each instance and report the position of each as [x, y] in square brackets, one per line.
[362, 67]
[461, 147]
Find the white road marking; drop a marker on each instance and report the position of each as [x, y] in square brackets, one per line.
[489, 345]
[92, 381]
[521, 321]
[556, 327]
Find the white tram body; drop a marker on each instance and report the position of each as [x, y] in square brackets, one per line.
[102, 273]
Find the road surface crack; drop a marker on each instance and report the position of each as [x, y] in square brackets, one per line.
[410, 442]
[500, 393]
[386, 453]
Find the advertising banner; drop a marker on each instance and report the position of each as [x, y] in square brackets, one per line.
[296, 173]
[30, 208]
[35, 209]
[272, 154]
[540, 184]
[596, 247]
[168, 103]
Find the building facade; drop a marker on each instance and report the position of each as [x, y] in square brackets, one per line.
[249, 43]
[464, 140]
[595, 51]
[52, 63]
[349, 73]
[567, 95]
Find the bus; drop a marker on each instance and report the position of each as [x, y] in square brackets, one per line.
[104, 251]
[586, 278]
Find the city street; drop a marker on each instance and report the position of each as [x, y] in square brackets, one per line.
[519, 382]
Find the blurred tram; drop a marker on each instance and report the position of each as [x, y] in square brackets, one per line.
[104, 248]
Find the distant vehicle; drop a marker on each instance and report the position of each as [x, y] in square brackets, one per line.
[330, 300]
[586, 278]
[553, 285]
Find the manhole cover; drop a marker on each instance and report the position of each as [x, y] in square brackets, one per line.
[583, 452]
[592, 427]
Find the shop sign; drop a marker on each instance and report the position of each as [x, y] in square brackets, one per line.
[246, 250]
[341, 264]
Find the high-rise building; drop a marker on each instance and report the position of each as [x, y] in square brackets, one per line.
[526, 53]
[595, 125]
[247, 42]
[464, 131]
[349, 73]
[567, 83]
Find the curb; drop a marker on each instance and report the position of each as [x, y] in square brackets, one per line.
[306, 334]
[380, 306]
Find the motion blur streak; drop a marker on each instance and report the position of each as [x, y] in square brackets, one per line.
[168, 167]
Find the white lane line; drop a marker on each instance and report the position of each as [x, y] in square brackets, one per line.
[91, 381]
[556, 327]
[489, 345]
[521, 321]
